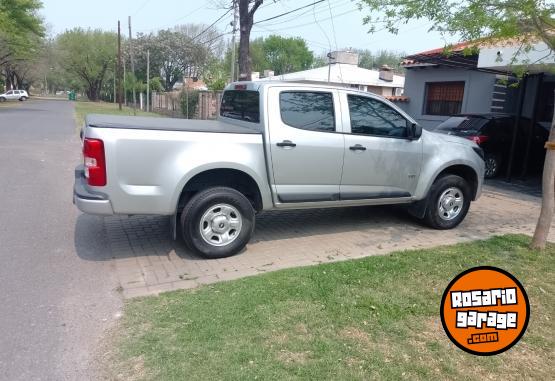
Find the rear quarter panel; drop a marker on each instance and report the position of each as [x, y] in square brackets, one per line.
[148, 169]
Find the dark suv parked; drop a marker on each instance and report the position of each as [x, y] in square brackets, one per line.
[493, 133]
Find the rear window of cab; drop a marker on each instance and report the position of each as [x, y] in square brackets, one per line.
[241, 105]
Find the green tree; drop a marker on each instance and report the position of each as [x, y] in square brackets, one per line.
[283, 55]
[374, 61]
[185, 50]
[88, 55]
[21, 33]
[486, 21]
[286, 55]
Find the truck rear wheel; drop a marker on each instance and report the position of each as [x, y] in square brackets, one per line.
[448, 202]
[217, 222]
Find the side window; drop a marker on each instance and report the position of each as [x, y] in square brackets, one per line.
[9, 92]
[372, 117]
[308, 110]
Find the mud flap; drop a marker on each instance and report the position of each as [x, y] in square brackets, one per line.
[418, 209]
[173, 226]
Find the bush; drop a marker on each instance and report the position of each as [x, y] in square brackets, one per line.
[189, 103]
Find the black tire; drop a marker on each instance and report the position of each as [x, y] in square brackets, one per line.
[492, 165]
[200, 204]
[2, 99]
[434, 216]
[23, 99]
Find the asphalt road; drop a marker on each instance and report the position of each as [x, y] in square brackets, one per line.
[57, 289]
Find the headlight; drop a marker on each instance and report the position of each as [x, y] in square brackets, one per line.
[479, 151]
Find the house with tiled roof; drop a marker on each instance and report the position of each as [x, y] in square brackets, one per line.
[509, 77]
[473, 78]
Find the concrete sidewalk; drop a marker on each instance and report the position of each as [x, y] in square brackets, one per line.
[147, 261]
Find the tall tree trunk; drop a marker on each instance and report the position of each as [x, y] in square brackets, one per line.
[92, 91]
[246, 19]
[548, 194]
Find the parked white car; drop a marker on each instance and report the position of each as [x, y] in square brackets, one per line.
[14, 95]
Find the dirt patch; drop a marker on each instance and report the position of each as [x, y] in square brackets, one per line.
[356, 334]
[288, 357]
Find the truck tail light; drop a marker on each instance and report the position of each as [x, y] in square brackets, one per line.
[479, 139]
[95, 163]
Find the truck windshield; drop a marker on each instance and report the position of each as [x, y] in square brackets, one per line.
[242, 105]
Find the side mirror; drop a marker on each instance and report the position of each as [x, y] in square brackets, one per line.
[415, 131]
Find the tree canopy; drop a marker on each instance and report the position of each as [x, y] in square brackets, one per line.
[21, 34]
[280, 54]
[88, 55]
[471, 20]
[185, 50]
[286, 55]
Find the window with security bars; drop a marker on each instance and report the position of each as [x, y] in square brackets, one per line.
[444, 98]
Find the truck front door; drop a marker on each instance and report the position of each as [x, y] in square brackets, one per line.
[380, 160]
[306, 144]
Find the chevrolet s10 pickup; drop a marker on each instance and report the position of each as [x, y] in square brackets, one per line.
[275, 145]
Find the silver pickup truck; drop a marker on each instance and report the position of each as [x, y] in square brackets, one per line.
[275, 146]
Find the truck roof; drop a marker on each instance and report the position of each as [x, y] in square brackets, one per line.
[258, 85]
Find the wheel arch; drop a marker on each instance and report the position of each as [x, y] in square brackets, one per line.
[233, 178]
[466, 172]
[418, 208]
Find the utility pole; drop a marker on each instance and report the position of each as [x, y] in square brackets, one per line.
[233, 47]
[119, 65]
[132, 66]
[147, 80]
[124, 91]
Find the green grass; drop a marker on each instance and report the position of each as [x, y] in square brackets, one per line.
[83, 108]
[375, 318]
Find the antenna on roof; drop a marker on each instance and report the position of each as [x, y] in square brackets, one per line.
[330, 57]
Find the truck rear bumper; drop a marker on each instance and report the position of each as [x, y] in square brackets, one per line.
[86, 201]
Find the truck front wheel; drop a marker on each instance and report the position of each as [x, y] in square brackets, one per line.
[217, 222]
[448, 202]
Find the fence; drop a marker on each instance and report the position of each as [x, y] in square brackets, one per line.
[207, 107]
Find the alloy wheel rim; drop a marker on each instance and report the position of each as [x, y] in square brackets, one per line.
[450, 203]
[220, 225]
[491, 167]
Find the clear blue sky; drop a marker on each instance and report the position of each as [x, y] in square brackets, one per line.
[314, 24]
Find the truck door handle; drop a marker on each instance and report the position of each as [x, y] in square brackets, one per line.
[286, 143]
[357, 147]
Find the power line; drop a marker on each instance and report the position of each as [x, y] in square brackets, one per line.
[324, 19]
[289, 12]
[190, 13]
[337, 5]
[214, 23]
[335, 40]
[141, 7]
[175, 21]
[316, 43]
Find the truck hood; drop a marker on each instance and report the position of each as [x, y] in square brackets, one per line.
[451, 139]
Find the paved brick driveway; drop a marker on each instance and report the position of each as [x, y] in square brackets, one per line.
[147, 261]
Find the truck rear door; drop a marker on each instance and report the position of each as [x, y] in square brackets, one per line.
[306, 143]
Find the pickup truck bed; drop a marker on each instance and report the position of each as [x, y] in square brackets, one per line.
[165, 124]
